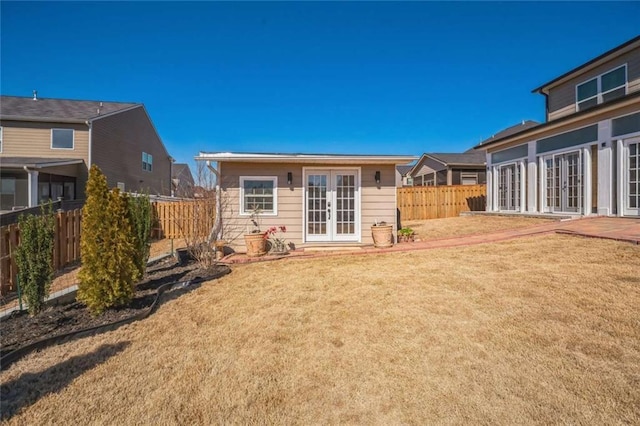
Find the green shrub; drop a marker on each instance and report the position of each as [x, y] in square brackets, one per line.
[108, 268]
[140, 217]
[34, 257]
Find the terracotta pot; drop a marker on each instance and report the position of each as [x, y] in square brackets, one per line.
[256, 244]
[382, 235]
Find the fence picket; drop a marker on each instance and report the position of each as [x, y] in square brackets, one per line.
[431, 202]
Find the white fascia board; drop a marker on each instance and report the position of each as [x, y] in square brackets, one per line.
[303, 158]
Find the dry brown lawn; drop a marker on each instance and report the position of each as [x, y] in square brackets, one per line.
[538, 330]
[468, 225]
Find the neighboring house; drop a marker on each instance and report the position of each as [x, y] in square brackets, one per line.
[466, 168]
[182, 179]
[48, 145]
[585, 159]
[321, 199]
[403, 178]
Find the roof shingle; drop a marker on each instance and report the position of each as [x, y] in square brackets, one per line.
[57, 109]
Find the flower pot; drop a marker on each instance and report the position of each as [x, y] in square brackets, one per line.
[382, 235]
[184, 256]
[256, 244]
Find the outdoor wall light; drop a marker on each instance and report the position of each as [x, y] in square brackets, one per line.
[289, 178]
[378, 176]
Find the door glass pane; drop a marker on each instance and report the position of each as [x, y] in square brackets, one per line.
[316, 204]
[345, 204]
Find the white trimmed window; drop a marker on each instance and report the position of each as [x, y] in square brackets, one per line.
[468, 178]
[603, 88]
[147, 162]
[258, 193]
[62, 138]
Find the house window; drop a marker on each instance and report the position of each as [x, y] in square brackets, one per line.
[468, 178]
[147, 162]
[62, 138]
[0, 138]
[603, 88]
[258, 193]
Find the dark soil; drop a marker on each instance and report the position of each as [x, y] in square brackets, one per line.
[20, 329]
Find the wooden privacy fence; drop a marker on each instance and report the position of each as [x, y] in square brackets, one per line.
[434, 202]
[66, 247]
[171, 220]
[183, 219]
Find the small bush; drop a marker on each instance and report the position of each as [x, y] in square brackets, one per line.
[34, 257]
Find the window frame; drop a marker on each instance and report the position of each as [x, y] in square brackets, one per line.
[147, 165]
[73, 139]
[273, 179]
[1, 135]
[469, 175]
[599, 93]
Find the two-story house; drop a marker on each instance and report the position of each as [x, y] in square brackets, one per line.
[585, 158]
[48, 145]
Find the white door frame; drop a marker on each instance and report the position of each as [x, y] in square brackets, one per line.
[332, 234]
[625, 173]
[563, 170]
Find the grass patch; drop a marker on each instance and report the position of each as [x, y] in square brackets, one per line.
[537, 330]
[468, 225]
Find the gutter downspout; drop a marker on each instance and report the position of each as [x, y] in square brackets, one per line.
[216, 232]
[90, 126]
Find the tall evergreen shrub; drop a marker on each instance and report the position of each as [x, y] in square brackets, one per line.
[34, 257]
[108, 268]
[140, 217]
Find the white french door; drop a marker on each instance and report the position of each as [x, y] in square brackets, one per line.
[332, 211]
[509, 187]
[631, 177]
[564, 182]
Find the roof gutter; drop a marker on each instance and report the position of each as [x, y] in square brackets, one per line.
[41, 119]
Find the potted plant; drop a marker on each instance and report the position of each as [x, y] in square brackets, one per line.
[406, 234]
[255, 240]
[275, 236]
[382, 234]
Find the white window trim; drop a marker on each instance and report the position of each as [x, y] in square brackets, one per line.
[1, 135]
[73, 139]
[274, 179]
[149, 156]
[599, 93]
[468, 175]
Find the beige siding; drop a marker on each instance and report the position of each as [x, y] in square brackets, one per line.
[376, 203]
[562, 99]
[118, 142]
[23, 139]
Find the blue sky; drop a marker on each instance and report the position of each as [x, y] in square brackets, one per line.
[377, 78]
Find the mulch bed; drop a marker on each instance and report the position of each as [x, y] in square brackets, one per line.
[20, 329]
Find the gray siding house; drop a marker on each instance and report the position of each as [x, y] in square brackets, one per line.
[437, 169]
[48, 145]
[585, 159]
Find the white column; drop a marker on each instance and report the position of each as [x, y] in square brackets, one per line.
[542, 184]
[619, 179]
[32, 183]
[523, 187]
[532, 178]
[605, 170]
[490, 177]
[586, 181]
